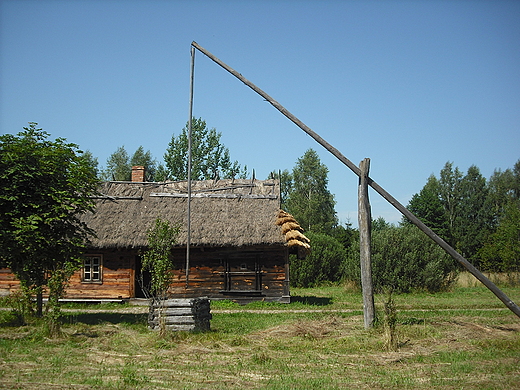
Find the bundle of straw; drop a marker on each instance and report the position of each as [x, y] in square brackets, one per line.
[292, 231]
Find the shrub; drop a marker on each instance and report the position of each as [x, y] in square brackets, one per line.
[403, 259]
[321, 264]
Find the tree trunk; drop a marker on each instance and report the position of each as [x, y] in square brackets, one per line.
[39, 303]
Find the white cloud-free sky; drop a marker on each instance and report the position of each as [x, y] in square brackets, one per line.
[409, 84]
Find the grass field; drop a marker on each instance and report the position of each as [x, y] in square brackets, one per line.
[464, 339]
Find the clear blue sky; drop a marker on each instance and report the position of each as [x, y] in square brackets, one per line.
[409, 84]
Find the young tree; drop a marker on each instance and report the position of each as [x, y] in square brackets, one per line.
[450, 197]
[118, 166]
[310, 201]
[44, 188]
[379, 224]
[158, 260]
[209, 157]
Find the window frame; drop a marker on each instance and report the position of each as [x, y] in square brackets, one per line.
[88, 263]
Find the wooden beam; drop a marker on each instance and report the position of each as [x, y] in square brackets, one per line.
[222, 196]
[443, 244]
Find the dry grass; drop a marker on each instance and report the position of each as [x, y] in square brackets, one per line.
[465, 279]
[296, 349]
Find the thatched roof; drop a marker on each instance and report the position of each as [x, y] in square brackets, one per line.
[223, 213]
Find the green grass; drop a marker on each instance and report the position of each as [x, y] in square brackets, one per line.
[460, 339]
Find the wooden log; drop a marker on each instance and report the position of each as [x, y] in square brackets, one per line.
[365, 221]
[180, 314]
[171, 320]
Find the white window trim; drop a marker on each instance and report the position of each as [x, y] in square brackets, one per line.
[100, 270]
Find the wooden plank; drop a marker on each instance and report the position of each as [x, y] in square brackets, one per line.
[218, 196]
[170, 320]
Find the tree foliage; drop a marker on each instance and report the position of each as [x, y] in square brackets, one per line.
[474, 223]
[145, 159]
[45, 187]
[427, 206]
[119, 164]
[158, 260]
[403, 260]
[501, 252]
[465, 209]
[210, 159]
[309, 200]
[321, 264]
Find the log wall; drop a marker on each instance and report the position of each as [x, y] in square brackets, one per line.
[118, 277]
[256, 273]
[243, 276]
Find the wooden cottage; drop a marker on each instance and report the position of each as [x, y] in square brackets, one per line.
[240, 241]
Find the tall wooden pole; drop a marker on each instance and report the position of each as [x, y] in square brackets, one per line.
[188, 238]
[416, 221]
[365, 239]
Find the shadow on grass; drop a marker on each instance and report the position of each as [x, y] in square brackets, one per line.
[101, 318]
[315, 301]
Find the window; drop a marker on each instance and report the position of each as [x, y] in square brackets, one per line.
[92, 269]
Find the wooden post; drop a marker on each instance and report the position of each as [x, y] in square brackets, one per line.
[416, 221]
[365, 222]
[188, 238]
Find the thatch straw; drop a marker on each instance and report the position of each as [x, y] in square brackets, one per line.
[292, 243]
[288, 226]
[123, 217]
[296, 235]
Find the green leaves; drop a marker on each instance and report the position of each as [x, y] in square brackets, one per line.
[309, 200]
[162, 237]
[209, 158]
[321, 264]
[44, 186]
[403, 259]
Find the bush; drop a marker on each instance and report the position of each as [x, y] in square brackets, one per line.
[403, 259]
[321, 264]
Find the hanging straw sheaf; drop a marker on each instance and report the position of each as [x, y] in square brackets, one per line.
[292, 231]
[288, 226]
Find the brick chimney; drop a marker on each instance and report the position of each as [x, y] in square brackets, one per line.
[138, 174]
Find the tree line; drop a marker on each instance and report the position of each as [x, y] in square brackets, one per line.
[210, 159]
[46, 185]
[480, 218]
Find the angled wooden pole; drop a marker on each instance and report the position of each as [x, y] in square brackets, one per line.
[365, 239]
[416, 221]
